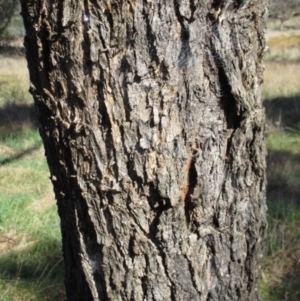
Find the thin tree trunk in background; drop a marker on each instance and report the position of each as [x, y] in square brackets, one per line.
[151, 116]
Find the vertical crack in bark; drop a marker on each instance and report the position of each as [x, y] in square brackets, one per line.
[184, 36]
[185, 46]
[144, 279]
[110, 20]
[87, 44]
[144, 286]
[193, 8]
[189, 188]
[46, 43]
[150, 37]
[232, 115]
[125, 68]
[228, 101]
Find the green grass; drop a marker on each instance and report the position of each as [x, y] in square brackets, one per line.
[281, 273]
[31, 266]
[286, 140]
[30, 245]
[281, 266]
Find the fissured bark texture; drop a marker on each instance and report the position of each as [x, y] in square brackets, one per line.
[151, 116]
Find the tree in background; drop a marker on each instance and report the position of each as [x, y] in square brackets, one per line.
[7, 10]
[284, 10]
[152, 121]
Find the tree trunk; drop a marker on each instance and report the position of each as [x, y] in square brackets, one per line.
[152, 120]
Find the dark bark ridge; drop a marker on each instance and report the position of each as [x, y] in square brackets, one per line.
[153, 128]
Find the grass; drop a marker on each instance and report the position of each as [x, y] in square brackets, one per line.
[279, 42]
[281, 267]
[31, 266]
[30, 245]
[281, 80]
[281, 273]
[284, 45]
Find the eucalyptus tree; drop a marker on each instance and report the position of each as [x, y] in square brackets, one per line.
[152, 121]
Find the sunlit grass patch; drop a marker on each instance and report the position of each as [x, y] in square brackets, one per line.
[31, 265]
[14, 70]
[284, 47]
[284, 141]
[20, 140]
[284, 41]
[282, 79]
[11, 90]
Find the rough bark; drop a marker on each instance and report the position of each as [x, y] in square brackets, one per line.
[153, 127]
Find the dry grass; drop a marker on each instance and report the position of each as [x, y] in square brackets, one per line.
[10, 242]
[15, 66]
[282, 79]
[6, 150]
[284, 41]
[284, 45]
[45, 203]
[16, 69]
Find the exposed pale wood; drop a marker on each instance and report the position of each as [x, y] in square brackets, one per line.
[153, 127]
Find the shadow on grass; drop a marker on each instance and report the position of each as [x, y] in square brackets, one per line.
[283, 111]
[20, 155]
[37, 271]
[8, 50]
[283, 172]
[288, 288]
[281, 268]
[16, 117]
